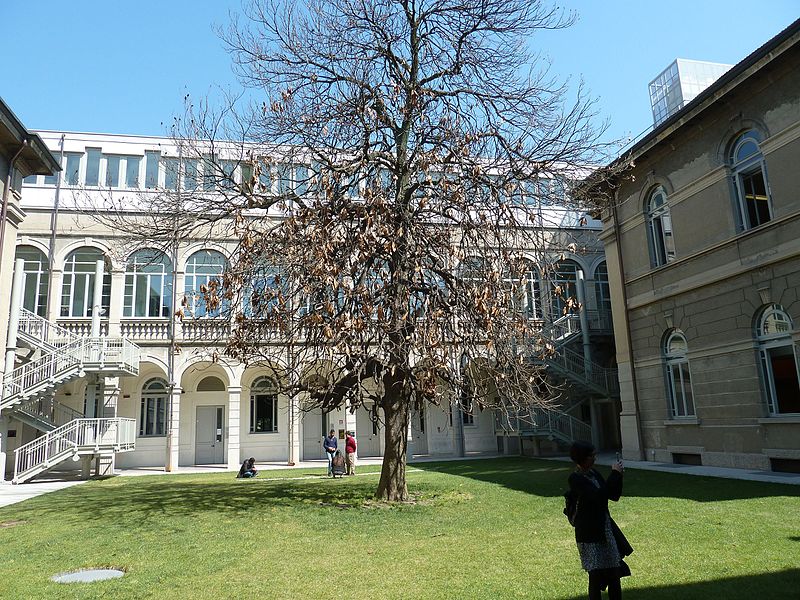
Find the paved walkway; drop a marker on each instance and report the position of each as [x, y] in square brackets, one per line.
[49, 482]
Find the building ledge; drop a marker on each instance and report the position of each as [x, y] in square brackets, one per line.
[781, 420]
[687, 421]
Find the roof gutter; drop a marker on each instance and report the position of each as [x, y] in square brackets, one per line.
[6, 190]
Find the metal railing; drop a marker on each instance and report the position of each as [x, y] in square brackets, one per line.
[41, 329]
[80, 436]
[544, 421]
[574, 363]
[47, 410]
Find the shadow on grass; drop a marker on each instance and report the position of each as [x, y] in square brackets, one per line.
[549, 478]
[190, 495]
[773, 586]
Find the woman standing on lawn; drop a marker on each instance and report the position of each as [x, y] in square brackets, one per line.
[601, 544]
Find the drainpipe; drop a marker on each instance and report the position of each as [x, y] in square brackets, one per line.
[53, 228]
[13, 317]
[6, 190]
[634, 387]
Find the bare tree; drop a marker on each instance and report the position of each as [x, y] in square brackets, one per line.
[403, 168]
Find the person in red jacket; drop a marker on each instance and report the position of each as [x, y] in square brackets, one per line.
[350, 446]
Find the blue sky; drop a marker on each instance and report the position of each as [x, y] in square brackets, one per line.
[125, 66]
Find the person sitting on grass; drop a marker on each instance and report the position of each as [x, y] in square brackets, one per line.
[248, 469]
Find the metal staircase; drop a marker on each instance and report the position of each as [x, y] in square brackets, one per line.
[79, 437]
[28, 395]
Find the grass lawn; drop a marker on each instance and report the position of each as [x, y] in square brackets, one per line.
[479, 529]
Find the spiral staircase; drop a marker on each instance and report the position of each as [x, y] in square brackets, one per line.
[28, 395]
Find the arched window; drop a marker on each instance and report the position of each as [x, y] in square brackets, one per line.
[750, 180]
[778, 360]
[211, 384]
[565, 288]
[77, 291]
[659, 228]
[148, 285]
[429, 291]
[525, 291]
[36, 279]
[264, 292]
[679, 379]
[202, 268]
[264, 406]
[153, 414]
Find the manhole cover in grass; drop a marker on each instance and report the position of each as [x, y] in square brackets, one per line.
[87, 575]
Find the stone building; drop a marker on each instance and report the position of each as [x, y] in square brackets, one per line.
[703, 249]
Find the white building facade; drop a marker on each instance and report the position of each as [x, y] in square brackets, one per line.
[189, 404]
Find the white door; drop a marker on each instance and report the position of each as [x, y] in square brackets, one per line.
[367, 433]
[418, 432]
[209, 441]
[312, 435]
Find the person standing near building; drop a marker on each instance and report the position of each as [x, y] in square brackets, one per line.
[601, 544]
[330, 444]
[350, 446]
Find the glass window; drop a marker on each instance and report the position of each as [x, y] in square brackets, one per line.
[50, 179]
[659, 225]
[29, 180]
[679, 380]
[77, 292]
[132, 171]
[153, 414]
[36, 279]
[151, 158]
[467, 415]
[92, 166]
[525, 291]
[112, 170]
[72, 172]
[264, 406]
[265, 292]
[602, 288]
[190, 174]
[750, 181]
[171, 173]
[779, 365]
[204, 269]
[148, 285]
[565, 288]
[209, 174]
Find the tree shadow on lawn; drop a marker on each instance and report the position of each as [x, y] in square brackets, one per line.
[186, 496]
[772, 586]
[549, 478]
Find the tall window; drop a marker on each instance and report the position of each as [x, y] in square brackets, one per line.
[679, 379]
[202, 268]
[525, 292]
[263, 294]
[264, 406]
[750, 181]
[77, 291]
[36, 279]
[153, 414]
[778, 361]
[601, 288]
[565, 288]
[148, 285]
[659, 227]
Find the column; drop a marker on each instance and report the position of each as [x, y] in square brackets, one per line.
[173, 430]
[3, 446]
[234, 424]
[13, 318]
[97, 301]
[294, 430]
[587, 349]
[117, 301]
[92, 396]
[54, 299]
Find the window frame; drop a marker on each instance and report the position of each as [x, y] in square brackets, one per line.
[744, 168]
[41, 284]
[134, 278]
[679, 359]
[768, 342]
[71, 277]
[659, 228]
[263, 388]
[193, 281]
[159, 399]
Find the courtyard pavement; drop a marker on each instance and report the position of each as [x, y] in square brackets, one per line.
[49, 482]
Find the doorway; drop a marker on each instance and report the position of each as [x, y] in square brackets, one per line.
[367, 432]
[209, 441]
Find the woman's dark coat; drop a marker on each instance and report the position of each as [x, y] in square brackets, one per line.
[593, 507]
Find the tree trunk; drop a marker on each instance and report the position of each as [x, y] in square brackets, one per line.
[392, 486]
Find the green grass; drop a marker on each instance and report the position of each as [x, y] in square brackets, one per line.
[478, 529]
